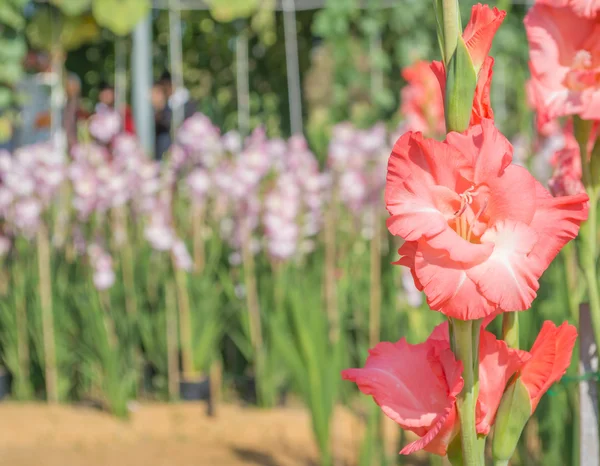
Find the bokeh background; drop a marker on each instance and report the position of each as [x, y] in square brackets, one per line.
[192, 229]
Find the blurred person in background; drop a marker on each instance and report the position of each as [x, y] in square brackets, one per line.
[74, 112]
[164, 99]
[106, 101]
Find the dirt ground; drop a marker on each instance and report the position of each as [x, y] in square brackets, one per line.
[166, 435]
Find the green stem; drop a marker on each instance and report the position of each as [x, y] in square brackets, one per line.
[466, 341]
[510, 329]
[501, 463]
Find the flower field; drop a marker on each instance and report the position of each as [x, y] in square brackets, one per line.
[413, 274]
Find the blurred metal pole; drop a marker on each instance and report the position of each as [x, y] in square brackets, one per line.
[292, 65]
[120, 78]
[176, 58]
[142, 84]
[243, 84]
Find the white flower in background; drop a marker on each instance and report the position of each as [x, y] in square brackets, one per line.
[182, 258]
[105, 125]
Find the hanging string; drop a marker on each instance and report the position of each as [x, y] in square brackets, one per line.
[292, 65]
[176, 59]
[242, 80]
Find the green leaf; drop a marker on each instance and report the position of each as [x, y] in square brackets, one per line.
[5, 97]
[78, 31]
[228, 10]
[72, 7]
[120, 16]
[13, 49]
[11, 16]
[10, 73]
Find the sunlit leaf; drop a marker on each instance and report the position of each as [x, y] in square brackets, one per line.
[11, 16]
[120, 16]
[228, 10]
[6, 129]
[72, 7]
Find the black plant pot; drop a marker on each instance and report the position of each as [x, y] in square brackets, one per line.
[248, 392]
[197, 390]
[148, 374]
[4, 383]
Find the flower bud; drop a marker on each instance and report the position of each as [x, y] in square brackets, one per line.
[514, 412]
[461, 81]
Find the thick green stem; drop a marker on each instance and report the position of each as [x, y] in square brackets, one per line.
[466, 342]
[501, 463]
[510, 329]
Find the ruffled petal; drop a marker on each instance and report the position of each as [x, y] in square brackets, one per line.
[448, 287]
[482, 104]
[395, 374]
[507, 277]
[480, 32]
[438, 438]
[511, 196]
[556, 221]
[487, 149]
[408, 193]
[407, 258]
[550, 358]
[497, 364]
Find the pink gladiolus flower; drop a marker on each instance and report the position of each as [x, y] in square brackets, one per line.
[550, 358]
[587, 8]
[479, 230]
[566, 179]
[564, 62]
[422, 102]
[416, 385]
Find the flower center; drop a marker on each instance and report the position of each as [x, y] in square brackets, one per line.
[465, 217]
[583, 73]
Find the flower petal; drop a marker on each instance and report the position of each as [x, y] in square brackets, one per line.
[480, 31]
[487, 149]
[395, 374]
[556, 221]
[497, 364]
[448, 287]
[550, 358]
[511, 196]
[407, 258]
[507, 278]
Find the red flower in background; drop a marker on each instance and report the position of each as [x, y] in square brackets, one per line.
[479, 230]
[422, 103]
[564, 63]
[417, 385]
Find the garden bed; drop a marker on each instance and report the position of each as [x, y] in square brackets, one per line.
[165, 435]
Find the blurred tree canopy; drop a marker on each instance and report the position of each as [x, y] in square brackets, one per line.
[350, 58]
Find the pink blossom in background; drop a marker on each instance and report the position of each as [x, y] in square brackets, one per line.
[421, 99]
[587, 8]
[564, 63]
[102, 265]
[181, 256]
[105, 125]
